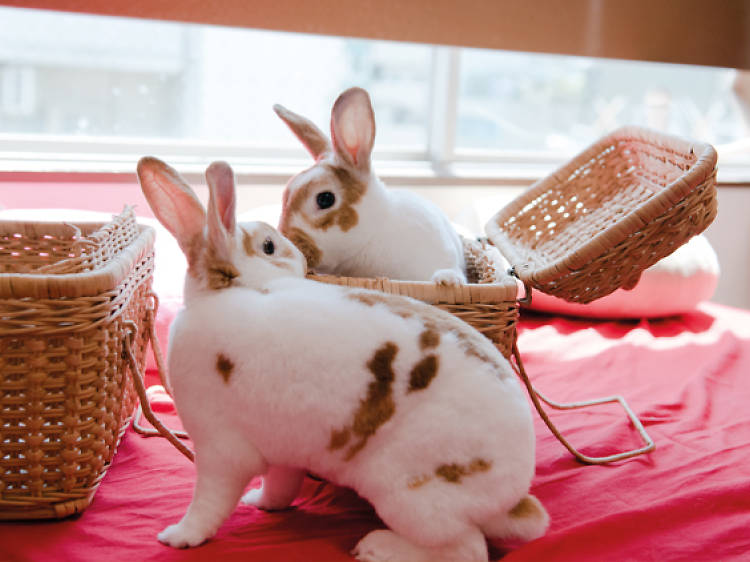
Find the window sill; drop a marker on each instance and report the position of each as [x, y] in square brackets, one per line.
[48, 158]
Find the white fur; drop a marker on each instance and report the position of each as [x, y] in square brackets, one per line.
[400, 235]
[300, 352]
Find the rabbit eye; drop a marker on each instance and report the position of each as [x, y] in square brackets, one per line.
[268, 247]
[325, 199]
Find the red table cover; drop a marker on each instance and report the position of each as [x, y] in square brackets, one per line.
[685, 377]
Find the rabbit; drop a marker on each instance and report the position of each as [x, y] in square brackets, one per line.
[274, 374]
[344, 219]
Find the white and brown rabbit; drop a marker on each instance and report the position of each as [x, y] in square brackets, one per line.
[274, 374]
[347, 222]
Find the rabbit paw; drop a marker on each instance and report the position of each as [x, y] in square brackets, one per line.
[256, 497]
[180, 535]
[385, 546]
[448, 277]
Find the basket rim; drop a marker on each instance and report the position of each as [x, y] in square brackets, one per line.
[696, 176]
[75, 285]
[506, 289]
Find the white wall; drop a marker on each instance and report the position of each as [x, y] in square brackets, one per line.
[730, 236]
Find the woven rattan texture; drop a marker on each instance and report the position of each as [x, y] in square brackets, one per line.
[616, 209]
[61, 248]
[66, 394]
[488, 302]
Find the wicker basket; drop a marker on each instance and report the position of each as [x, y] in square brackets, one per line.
[69, 295]
[617, 208]
[489, 302]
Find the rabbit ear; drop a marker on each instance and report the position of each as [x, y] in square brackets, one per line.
[353, 127]
[173, 202]
[309, 135]
[221, 208]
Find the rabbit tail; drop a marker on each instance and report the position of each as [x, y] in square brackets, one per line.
[528, 520]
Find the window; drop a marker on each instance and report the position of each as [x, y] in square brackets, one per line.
[99, 91]
[540, 102]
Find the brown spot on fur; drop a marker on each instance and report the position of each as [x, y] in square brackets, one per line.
[479, 465]
[470, 347]
[429, 339]
[450, 472]
[327, 221]
[418, 481]
[423, 373]
[352, 189]
[344, 215]
[454, 472]
[437, 320]
[286, 252]
[205, 266]
[370, 298]
[283, 264]
[348, 181]
[292, 204]
[193, 252]
[378, 406]
[220, 274]
[339, 439]
[224, 366]
[525, 508]
[306, 245]
[347, 218]
[247, 243]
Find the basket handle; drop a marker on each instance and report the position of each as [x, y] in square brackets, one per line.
[535, 396]
[144, 406]
[160, 367]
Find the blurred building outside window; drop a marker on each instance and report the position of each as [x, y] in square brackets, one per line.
[73, 83]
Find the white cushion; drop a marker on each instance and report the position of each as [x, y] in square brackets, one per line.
[674, 285]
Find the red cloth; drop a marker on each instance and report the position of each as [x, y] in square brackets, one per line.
[686, 378]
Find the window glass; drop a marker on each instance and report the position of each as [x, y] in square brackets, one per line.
[71, 74]
[522, 101]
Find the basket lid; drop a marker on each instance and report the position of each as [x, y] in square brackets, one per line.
[618, 207]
